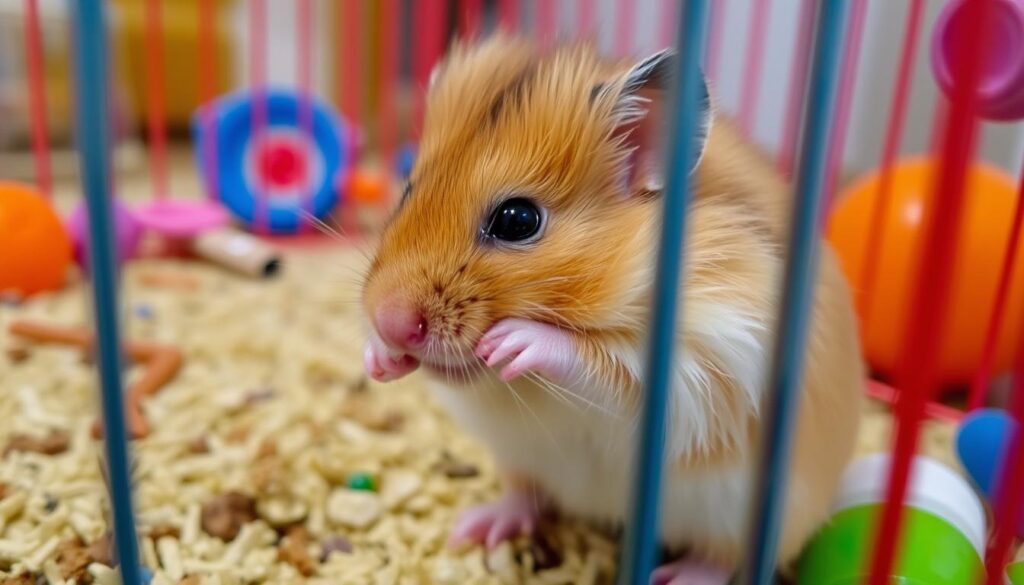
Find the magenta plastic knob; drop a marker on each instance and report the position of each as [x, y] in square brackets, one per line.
[1001, 91]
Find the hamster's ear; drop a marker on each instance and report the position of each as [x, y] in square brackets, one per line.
[641, 118]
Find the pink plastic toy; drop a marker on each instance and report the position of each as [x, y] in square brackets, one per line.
[181, 218]
[1001, 95]
[127, 231]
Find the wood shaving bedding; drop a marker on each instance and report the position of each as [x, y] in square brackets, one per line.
[247, 475]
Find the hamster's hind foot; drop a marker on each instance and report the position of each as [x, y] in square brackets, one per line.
[690, 572]
[491, 524]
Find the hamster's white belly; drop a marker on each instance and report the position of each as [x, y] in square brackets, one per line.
[582, 459]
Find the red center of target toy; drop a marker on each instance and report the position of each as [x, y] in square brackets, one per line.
[282, 163]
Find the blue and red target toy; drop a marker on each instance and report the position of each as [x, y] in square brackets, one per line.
[274, 177]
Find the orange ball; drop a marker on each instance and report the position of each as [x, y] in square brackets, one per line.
[984, 233]
[368, 187]
[35, 250]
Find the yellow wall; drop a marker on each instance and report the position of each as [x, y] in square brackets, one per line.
[181, 54]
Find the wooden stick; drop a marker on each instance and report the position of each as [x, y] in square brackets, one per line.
[164, 279]
[161, 362]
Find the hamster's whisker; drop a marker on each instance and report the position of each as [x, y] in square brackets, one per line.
[540, 423]
[335, 231]
[535, 283]
[447, 349]
[562, 394]
[571, 397]
[351, 276]
[558, 394]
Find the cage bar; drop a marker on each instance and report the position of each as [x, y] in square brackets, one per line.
[753, 65]
[916, 377]
[784, 381]
[37, 97]
[640, 543]
[893, 137]
[93, 147]
[208, 64]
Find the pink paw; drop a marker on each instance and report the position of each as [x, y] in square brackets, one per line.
[531, 347]
[383, 365]
[491, 524]
[690, 572]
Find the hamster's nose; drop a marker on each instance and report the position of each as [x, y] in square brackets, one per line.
[401, 326]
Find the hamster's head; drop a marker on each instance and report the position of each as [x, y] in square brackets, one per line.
[534, 196]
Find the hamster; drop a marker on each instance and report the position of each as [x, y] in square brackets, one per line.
[517, 272]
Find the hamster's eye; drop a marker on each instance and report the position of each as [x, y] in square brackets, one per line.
[515, 220]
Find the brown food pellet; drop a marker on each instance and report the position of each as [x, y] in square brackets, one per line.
[224, 515]
[159, 532]
[100, 550]
[545, 554]
[258, 396]
[87, 358]
[53, 444]
[360, 409]
[268, 448]
[336, 543]
[18, 354]
[198, 446]
[388, 422]
[73, 559]
[190, 580]
[361, 384]
[456, 469]
[237, 434]
[322, 380]
[294, 551]
[3, 490]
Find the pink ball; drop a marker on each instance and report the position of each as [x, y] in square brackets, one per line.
[127, 232]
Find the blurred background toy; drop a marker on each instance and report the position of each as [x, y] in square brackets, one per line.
[128, 232]
[982, 444]
[273, 178]
[944, 528]
[1015, 570]
[35, 251]
[1001, 91]
[406, 160]
[992, 196]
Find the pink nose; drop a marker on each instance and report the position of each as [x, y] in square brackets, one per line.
[401, 326]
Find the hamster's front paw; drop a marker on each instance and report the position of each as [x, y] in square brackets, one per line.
[531, 347]
[383, 366]
[491, 524]
[690, 572]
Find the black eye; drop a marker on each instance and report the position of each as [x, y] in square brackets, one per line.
[515, 220]
[406, 191]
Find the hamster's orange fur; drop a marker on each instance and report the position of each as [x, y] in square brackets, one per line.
[503, 118]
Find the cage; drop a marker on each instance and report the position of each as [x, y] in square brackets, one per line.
[207, 294]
